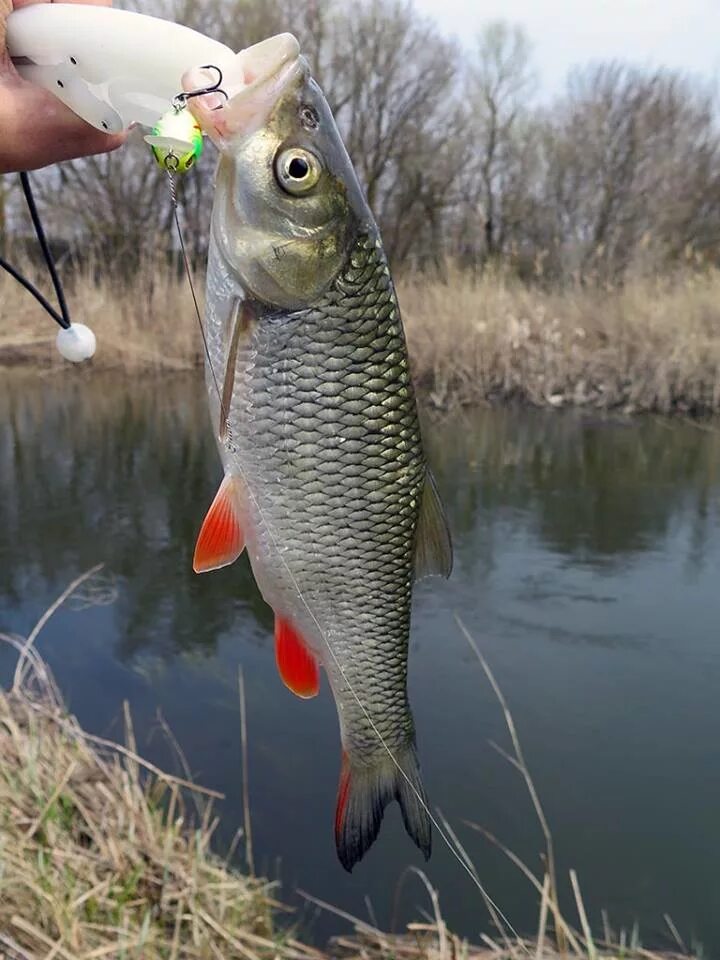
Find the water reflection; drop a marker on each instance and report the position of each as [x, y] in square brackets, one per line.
[124, 475]
[587, 554]
[594, 490]
[92, 469]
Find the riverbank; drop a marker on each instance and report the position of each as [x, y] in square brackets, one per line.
[104, 855]
[652, 345]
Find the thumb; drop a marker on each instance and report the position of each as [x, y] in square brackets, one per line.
[39, 130]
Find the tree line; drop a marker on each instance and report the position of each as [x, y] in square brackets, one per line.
[619, 172]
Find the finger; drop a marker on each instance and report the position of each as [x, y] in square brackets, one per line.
[55, 134]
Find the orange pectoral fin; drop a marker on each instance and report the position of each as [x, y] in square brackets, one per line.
[221, 539]
[297, 665]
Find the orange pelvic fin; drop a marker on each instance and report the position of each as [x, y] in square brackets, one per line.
[221, 539]
[297, 665]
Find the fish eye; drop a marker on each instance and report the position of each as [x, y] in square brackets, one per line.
[297, 170]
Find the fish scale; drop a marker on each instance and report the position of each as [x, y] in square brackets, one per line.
[309, 463]
[326, 483]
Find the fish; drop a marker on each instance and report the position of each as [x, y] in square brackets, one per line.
[311, 399]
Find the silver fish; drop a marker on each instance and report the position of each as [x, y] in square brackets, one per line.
[312, 402]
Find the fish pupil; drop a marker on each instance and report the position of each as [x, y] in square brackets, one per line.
[298, 168]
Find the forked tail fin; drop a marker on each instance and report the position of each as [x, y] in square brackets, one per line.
[363, 794]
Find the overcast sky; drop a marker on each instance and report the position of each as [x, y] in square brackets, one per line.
[677, 33]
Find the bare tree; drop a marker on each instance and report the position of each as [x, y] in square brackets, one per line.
[499, 82]
[632, 160]
[392, 84]
[621, 172]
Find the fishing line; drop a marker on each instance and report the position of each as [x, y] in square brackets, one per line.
[461, 859]
[188, 274]
[176, 143]
[442, 833]
[469, 870]
[170, 163]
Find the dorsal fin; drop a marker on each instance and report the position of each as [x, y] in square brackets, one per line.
[433, 546]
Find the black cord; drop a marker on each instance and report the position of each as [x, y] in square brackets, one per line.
[23, 281]
[63, 318]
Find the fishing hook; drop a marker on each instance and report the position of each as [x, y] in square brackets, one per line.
[182, 98]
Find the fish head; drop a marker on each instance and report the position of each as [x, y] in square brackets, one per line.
[287, 202]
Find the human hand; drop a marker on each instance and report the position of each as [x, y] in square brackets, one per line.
[37, 129]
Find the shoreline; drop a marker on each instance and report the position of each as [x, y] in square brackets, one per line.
[103, 854]
[652, 346]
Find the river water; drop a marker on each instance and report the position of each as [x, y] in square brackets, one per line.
[587, 567]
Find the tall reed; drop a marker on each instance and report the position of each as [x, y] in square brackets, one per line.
[652, 344]
[103, 855]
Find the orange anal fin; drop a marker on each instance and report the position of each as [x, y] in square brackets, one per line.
[221, 538]
[297, 665]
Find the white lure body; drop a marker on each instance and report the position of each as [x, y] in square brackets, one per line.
[112, 67]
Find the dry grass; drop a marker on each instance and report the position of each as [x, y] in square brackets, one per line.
[102, 856]
[557, 935]
[147, 325]
[652, 345]
[426, 941]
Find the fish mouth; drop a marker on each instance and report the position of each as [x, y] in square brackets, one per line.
[249, 88]
[266, 61]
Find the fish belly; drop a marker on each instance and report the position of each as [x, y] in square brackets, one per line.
[325, 432]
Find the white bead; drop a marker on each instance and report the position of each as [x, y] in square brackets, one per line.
[77, 343]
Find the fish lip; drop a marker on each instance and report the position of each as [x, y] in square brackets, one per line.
[270, 59]
[252, 84]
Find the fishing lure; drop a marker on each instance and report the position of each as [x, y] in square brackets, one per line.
[176, 139]
[113, 68]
